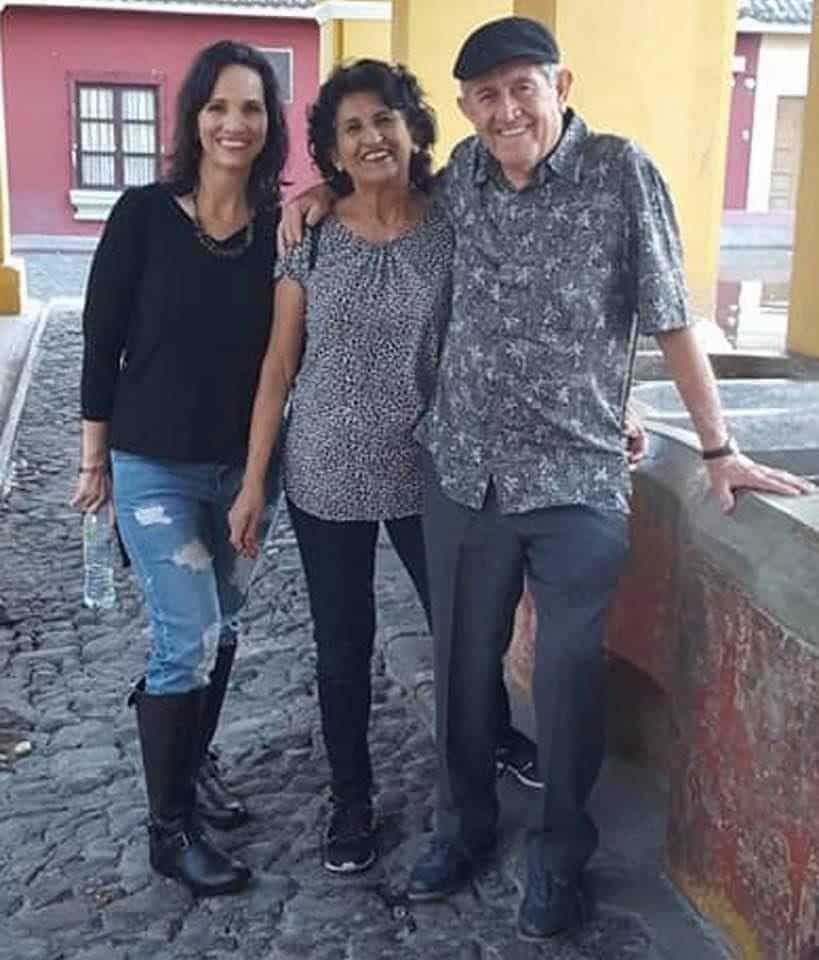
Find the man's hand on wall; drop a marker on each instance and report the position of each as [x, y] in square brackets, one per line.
[738, 472]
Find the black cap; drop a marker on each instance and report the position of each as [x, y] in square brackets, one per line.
[501, 40]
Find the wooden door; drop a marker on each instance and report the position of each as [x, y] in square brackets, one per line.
[787, 153]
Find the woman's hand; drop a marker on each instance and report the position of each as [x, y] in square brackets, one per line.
[93, 490]
[244, 518]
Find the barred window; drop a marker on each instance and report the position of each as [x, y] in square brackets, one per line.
[117, 136]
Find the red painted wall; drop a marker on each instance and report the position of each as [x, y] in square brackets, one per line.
[44, 48]
[740, 742]
[740, 132]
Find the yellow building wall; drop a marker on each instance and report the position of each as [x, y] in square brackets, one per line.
[659, 72]
[654, 70]
[12, 277]
[342, 40]
[367, 38]
[426, 36]
[803, 321]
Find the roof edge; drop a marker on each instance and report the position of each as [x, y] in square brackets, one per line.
[321, 12]
[750, 25]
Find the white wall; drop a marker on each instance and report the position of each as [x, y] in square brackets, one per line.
[782, 72]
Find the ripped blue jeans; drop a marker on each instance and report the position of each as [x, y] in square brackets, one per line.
[173, 521]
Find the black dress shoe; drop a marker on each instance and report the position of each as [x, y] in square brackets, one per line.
[551, 905]
[214, 801]
[443, 868]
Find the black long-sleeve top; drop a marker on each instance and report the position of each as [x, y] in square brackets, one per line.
[174, 334]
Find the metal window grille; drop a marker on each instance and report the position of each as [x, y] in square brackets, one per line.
[117, 136]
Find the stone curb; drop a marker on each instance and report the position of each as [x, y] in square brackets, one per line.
[19, 337]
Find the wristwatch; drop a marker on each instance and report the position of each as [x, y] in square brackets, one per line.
[726, 450]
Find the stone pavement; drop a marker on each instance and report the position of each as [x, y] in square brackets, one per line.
[76, 884]
[55, 273]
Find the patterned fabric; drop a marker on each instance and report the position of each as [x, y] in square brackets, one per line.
[551, 286]
[375, 316]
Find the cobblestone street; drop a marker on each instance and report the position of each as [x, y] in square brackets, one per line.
[73, 854]
[55, 274]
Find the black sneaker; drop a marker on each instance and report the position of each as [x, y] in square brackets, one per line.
[349, 842]
[517, 755]
[551, 904]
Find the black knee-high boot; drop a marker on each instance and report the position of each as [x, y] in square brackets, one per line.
[169, 734]
[214, 801]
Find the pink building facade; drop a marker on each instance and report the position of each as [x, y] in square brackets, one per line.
[90, 100]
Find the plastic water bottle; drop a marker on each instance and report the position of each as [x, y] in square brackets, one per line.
[98, 560]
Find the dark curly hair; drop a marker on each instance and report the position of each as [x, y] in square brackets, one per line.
[398, 89]
[264, 186]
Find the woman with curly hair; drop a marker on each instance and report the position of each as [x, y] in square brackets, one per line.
[360, 311]
[176, 324]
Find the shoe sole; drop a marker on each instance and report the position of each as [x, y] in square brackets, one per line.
[585, 917]
[235, 886]
[546, 937]
[502, 768]
[432, 896]
[540, 939]
[522, 778]
[350, 866]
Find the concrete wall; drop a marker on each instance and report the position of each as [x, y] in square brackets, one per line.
[714, 668]
[782, 71]
[45, 48]
[731, 709]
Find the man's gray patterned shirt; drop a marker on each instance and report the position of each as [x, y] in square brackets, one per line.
[551, 286]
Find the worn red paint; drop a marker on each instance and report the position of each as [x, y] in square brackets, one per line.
[744, 771]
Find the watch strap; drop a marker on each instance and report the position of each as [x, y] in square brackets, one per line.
[726, 450]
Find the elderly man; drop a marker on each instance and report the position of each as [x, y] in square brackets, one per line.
[566, 249]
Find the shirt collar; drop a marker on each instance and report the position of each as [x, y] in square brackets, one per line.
[563, 161]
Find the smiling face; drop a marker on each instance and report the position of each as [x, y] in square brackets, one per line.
[517, 112]
[373, 142]
[232, 124]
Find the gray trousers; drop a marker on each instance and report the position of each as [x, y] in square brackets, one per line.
[572, 557]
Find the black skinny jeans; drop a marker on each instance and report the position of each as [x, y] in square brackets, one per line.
[339, 564]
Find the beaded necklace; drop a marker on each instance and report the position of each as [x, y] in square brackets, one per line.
[214, 246]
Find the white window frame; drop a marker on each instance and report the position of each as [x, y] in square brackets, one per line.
[117, 89]
[90, 204]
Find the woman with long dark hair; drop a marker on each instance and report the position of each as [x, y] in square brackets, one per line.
[176, 323]
[360, 309]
